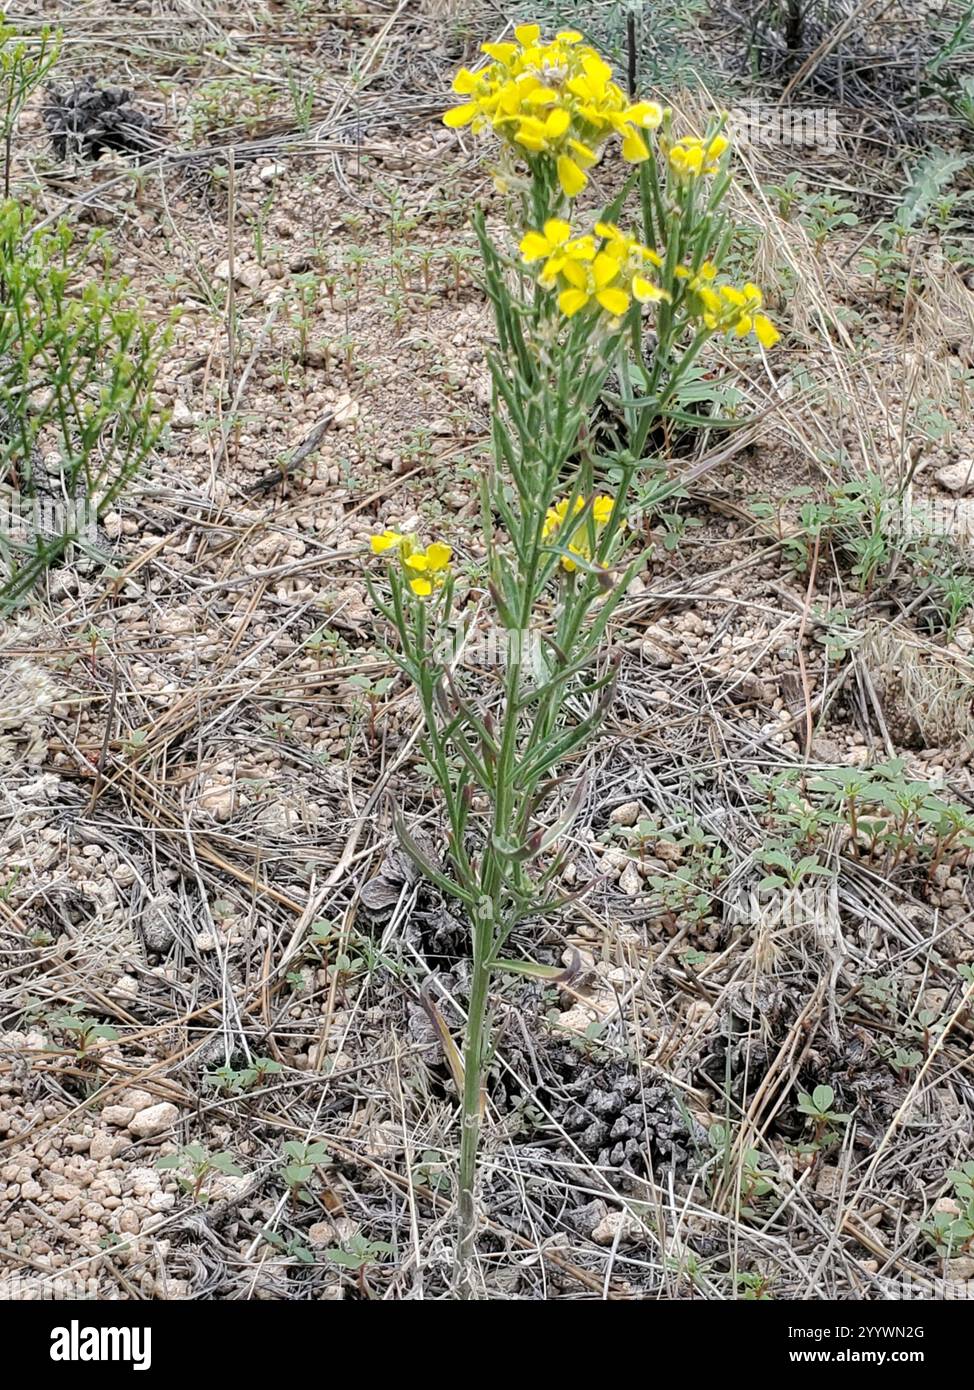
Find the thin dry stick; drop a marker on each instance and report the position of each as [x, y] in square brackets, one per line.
[806, 688]
[231, 273]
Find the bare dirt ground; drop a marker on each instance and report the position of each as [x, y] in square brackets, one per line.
[212, 951]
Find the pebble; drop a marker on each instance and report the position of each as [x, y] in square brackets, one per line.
[829, 1181]
[248, 275]
[182, 417]
[118, 1115]
[629, 881]
[136, 1097]
[102, 1145]
[161, 1201]
[957, 477]
[616, 1224]
[218, 802]
[947, 1206]
[346, 411]
[155, 1120]
[386, 1140]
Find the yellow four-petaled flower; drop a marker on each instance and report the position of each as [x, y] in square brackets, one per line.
[555, 245]
[432, 566]
[609, 276]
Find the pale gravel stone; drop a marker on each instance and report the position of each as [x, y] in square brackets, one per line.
[182, 417]
[103, 1145]
[137, 1099]
[630, 881]
[616, 1224]
[161, 1201]
[957, 477]
[153, 1120]
[118, 1115]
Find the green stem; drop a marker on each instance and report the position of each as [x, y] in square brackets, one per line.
[473, 1066]
[488, 927]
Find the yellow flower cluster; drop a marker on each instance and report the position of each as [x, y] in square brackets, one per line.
[742, 306]
[601, 511]
[609, 275]
[726, 309]
[427, 567]
[556, 100]
[691, 156]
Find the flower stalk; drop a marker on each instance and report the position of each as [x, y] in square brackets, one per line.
[507, 750]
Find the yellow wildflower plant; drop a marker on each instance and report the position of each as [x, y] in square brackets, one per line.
[555, 101]
[385, 541]
[706, 273]
[625, 248]
[558, 552]
[634, 258]
[745, 305]
[596, 283]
